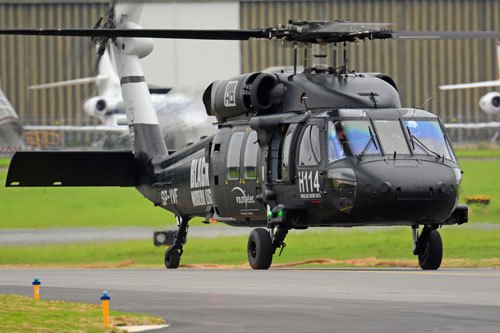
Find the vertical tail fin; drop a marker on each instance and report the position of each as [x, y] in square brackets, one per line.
[110, 83]
[498, 58]
[145, 130]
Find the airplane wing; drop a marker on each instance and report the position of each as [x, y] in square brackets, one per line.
[493, 124]
[495, 83]
[120, 129]
[69, 82]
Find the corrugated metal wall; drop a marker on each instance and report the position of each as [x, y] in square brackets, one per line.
[418, 67]
[26, 61]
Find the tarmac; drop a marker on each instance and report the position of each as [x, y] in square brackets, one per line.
[283, 300]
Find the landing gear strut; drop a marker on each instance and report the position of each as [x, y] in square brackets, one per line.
[174, 252]
[428, 246]
[262, 244]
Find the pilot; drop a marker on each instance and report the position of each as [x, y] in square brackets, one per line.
[336, 142]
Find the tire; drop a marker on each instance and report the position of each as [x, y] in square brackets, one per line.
[260, 249]
[172, 258]
[431, 255]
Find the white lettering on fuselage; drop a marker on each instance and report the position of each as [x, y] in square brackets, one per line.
[199, 180]
[169, 196]
[309, 185]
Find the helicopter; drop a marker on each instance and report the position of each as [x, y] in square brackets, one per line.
[326, 147]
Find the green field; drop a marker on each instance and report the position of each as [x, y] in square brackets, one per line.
[477, 153]
[109, 207]
[77, 207]
[4, 162]
[470, 245]
[482, 178]
[24, 314]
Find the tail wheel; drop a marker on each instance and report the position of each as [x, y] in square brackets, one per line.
[172, 258]
[431, 254]
[260, 249]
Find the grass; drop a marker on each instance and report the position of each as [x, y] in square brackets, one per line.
[477, 153]
[24, 314]
[113, 207]
[4, 162]
[50, 207]
[482, 178]
[472, 246]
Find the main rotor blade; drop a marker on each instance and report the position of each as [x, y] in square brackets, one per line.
[145, 33]
[441, 35]
[310, 36]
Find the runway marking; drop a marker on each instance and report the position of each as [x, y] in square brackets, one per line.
[403, 272]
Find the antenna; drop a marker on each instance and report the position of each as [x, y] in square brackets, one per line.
[335, 57]
[294, 58]
[426, 101]
[345, 52]
[305, 58]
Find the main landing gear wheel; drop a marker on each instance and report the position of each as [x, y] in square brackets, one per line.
[174, 253]
[260, 249]
[172, 258]
[431, 253]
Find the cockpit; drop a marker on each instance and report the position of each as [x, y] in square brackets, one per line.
[396, 137]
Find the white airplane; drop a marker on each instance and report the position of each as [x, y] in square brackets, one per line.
[191, 120]
[104, 106]
[10, 128]
[489, 103]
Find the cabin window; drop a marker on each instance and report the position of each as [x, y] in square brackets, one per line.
[276, 153]
[233, 156]
[250, 156]
[309, 151]
[392, 137]
[285, 161]
[428, 138]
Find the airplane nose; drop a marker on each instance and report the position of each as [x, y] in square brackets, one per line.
[405, 190]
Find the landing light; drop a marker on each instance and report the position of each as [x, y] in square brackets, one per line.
[458, 175]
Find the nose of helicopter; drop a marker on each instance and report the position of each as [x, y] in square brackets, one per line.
[405, 190]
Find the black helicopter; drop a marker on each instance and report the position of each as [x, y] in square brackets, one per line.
[325, 147]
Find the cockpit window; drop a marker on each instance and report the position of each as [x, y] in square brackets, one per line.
[392, 137]
[335, 143]
[430, 138]
[349, 138]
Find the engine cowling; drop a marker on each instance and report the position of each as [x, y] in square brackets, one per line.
[259, 93]
[490, 103]
[98, 106]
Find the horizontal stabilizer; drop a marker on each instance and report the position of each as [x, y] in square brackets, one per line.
[71, 168]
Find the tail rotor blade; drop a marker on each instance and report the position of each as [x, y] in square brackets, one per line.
[132, 11]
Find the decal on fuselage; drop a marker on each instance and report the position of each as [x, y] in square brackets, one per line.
[230, 94]
[309, 185]
[169, 196]
[244, 199]
[200, 193]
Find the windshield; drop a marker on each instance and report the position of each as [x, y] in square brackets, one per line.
[430, 134]
[349, 138]
[392, 137]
